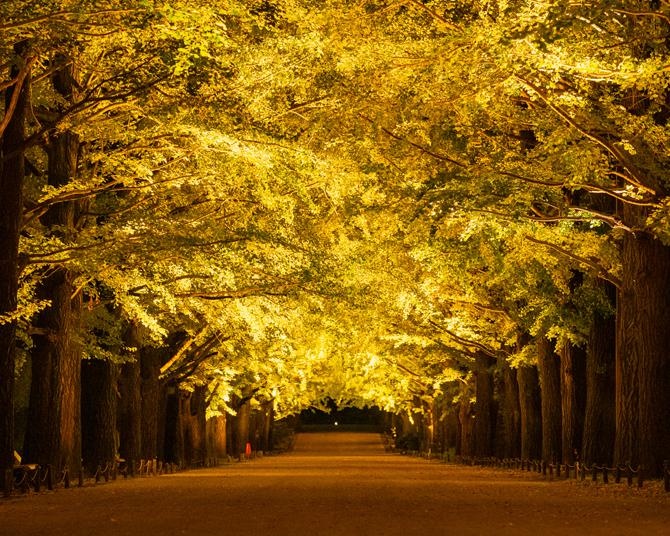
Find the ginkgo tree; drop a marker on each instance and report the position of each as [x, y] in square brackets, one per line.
[385, 203]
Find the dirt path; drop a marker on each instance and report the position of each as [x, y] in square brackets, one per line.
[336, 484]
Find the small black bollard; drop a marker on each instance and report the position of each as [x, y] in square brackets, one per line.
[666, 475]
[617, 474]
[605, 478]
[629, 474]
[640, 476]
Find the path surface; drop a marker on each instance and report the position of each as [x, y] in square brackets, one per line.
[336, 484]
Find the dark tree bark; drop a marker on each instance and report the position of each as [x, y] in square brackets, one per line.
[531, 416]
[53, 435]
[642, 358]
[268, 422]
[466, 421]
[599, 418]
[12, 174]
[510, 429]
[573, 400]
[216, 438]
[54, 430]
[130, 401]
[451, 437]
[230, 434]
[153, 402]
[484, 413]
[99, 404]
[242, 428]
[174, 437]
[197, 425]
[548, 366]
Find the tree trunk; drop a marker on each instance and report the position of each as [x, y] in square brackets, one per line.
[130, 402]
[573, 400]
[242, 428]
[549, 369]
[231, 436]
[451, 433]
[152, 401]
[642, 359]
[269, 415]
[54, 428]
[53, 435]
[466, 421]
[484, 415]
[510, 433]
[197, 425]
[599, 418]
[174, 436]
[530, 411]
[99, 404]
[12, 174]
[216, 438]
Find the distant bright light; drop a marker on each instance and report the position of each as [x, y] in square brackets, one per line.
[335, 423]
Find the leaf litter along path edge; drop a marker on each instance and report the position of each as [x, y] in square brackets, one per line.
[335, 484]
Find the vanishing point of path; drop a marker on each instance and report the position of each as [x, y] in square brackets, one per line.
[336, 484]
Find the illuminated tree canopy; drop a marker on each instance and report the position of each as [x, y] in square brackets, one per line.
[383, 203]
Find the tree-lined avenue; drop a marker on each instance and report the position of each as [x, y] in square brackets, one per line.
[217, 214]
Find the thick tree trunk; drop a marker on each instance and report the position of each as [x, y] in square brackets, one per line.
[642, 360]
[549, 369]
[54, 428]
[99, 404]
[152, 395]
[174, 436]
[269, 418]
[12, 174]
[216, 438]
[53, 435]
[484, 414]
[451, 436]
[230, 435]
[197, 426]
[599, 418]
[466, 421]
[510, 429]
[130, 402]
[573, 400]
[242, 428]
[531, 416]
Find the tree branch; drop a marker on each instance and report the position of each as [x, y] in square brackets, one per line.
[182, 350]
[635, 178]
[467, 342]
[600, 270]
